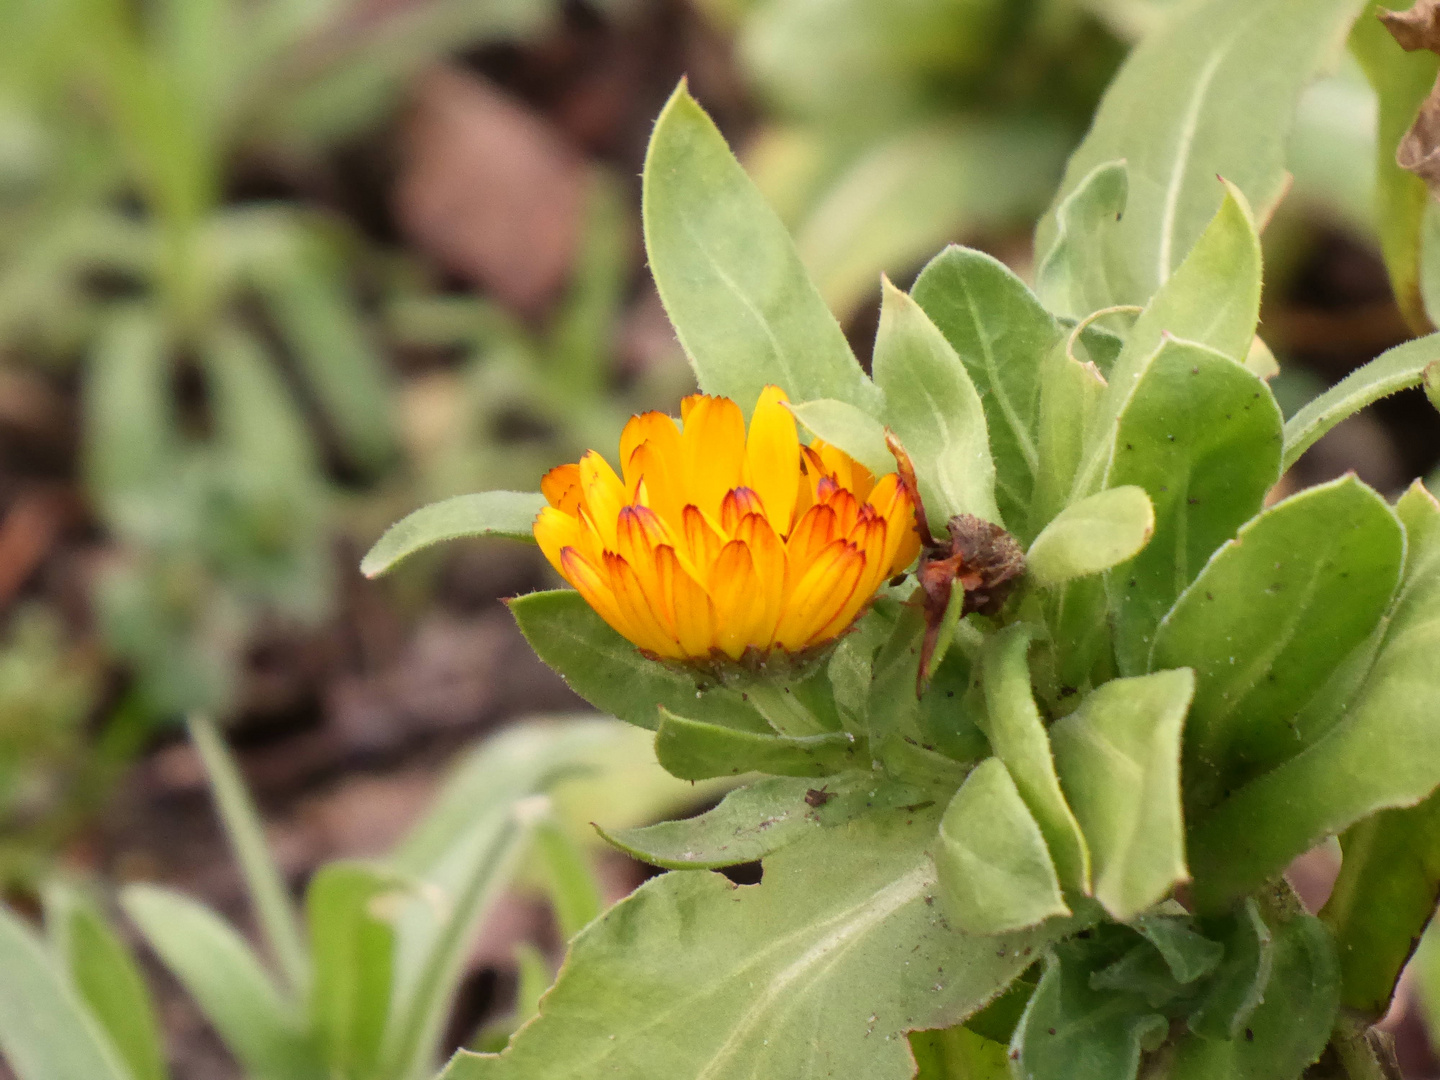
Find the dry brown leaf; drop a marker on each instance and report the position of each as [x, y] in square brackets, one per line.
[1419, 151]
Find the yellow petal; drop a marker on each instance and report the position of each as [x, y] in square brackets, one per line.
[772, 457]
[594, 586]
[644, 626]
[736, 505]
[695, 618]
[702, 540]
[814, 532]
[868, 538]
[654, 428]
[657, 482]
[561, 487]
[604, 495]
[892, 502]
[821, 593]
[739, 600]
[713, 451]
[767, 551]
[639, 534]
[556, 530]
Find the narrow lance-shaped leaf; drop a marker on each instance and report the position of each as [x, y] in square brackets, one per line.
[1118, 757]
[1402, 368]
[932, 405]
[1185, 107]
[1377, 754]
[1202, 436]
[1017, 734]
[46, 1032]
[1402, 81]
[1273, 613]
[818, 971]
[509, 514]
[1092, 535]
[105, 975]
[1002, 335]
[729, 276]
[995, 872]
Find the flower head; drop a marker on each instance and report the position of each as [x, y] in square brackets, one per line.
[715, 542]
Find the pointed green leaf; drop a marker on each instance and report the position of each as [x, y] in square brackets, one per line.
[490, 513]
[352, 944]
[105, 975]
[933, 407]
[1071, 399]
[731, 281]
[818, 971]
[1071, 1031]
[1187, 953]
[1118, 757]
[1212, 299]
[1289, 1029]
[1082, 273]
[958, 1053]
[610, 673]
[1377, 753]
[1272, 614]
[853, 430]
[995, 872]
[261, 1028]
[1238, 986]
[1399, 369]
[1402, 81]
[46, 1031]
[1013, 725]
[760, 818]
[1202, 436]
[1387, 890]
[1186, 107]
[695, 750]
[1002, 335]
[1092, 535]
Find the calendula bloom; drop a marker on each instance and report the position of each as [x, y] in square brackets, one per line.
[717, 542]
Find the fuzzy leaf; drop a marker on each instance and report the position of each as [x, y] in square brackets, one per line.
[853, 430]
[818, 971]
[1002, 335]
[1081, 274]
[1017, 734]
[1118, 757]
[490, 513]
[695, 750]
[995, 872]
[729, 276]
[1092, 535]
[1377, 754]
[933, 407]
[1202, 436]
[1239, 983]
[1273, 613]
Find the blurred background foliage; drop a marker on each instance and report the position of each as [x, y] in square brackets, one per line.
[275, 272]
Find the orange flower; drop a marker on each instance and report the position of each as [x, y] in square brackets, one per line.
[716, 543]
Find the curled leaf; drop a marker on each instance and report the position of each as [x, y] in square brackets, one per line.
[1419, 151]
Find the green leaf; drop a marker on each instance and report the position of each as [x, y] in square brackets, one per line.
[1002, 335]
[1402, 81]
[1071, 400]
[130, 435]
[1186, 107]
[1377, 753]
[104, 974]
[933, 407]
[958, 1053]
[1188, 954]
[760, 818]
[1017, 734]
[1073, 1032]
[995, 872]
[1213, 300]
[1289, 1029]
[853, 430]
[261, 1028]
[818, 971]
[1202, 436]
[1081, 273]
[1432, 383]
[1387, 890]
[1238, 985]
[1402, 368]
[729, 276]
[490, 513]
[353, 947]
[609, 672]
[1092, 535]
[246, 834]
[1118, 757]
[695, 750]
[570, 880]
[1273, 613]
[46, 1032]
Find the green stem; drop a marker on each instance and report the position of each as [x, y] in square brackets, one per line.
[1364, 1052]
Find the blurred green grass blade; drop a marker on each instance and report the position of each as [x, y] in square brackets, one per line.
[574, 891]
[580, 342]
[104, 973]
[489, 513]
[129, 425]
[273, 908]
[45, 1031]
[262, 1028]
